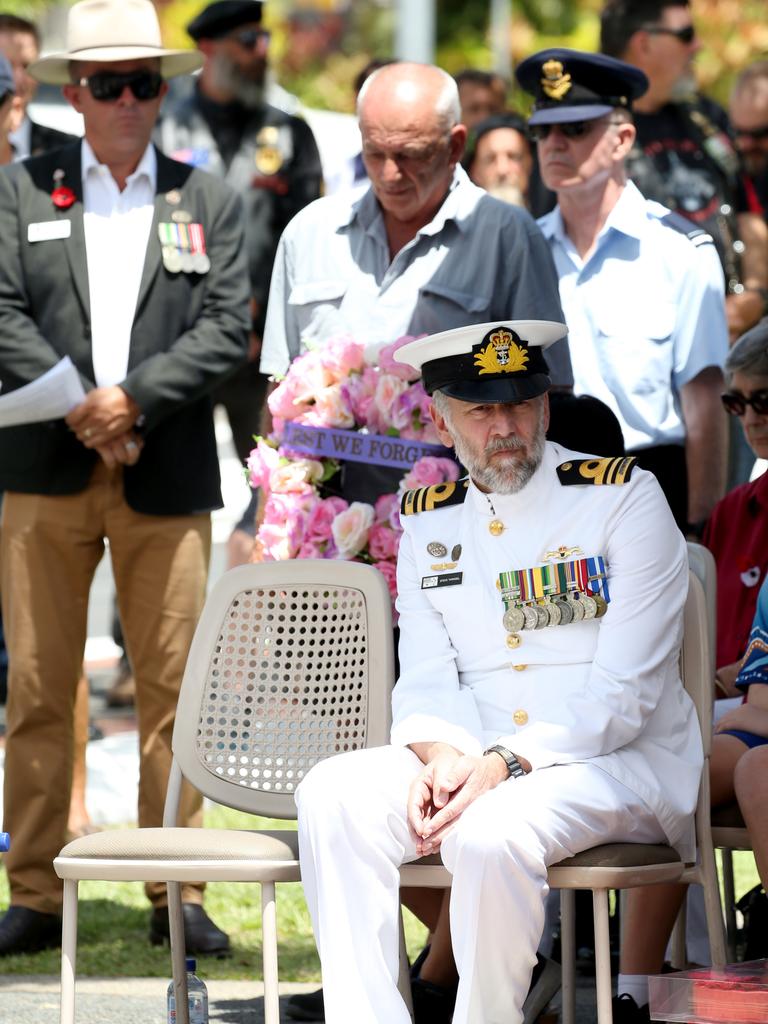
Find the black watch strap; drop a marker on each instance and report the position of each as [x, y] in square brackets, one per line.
[515, 769]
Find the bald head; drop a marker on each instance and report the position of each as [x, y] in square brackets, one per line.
[412, 141]
[412, 86]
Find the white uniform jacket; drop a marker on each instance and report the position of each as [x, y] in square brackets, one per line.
[606, 690]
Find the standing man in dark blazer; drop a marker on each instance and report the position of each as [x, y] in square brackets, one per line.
[133, 266]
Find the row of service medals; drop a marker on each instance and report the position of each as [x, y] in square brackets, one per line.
[183, 247]
[554, 594]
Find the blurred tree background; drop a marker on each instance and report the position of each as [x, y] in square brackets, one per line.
[320, 45]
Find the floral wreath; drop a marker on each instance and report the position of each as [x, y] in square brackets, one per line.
[332, 393]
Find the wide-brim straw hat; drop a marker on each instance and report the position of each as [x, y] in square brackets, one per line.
[111, 31]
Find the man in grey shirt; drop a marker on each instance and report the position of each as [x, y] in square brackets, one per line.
[422, 251]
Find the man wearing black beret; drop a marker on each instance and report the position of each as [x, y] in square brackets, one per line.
[224, 125]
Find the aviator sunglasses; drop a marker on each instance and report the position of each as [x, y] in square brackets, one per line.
[736, 403]
[570, 129]
[685, 35]
[107, 86]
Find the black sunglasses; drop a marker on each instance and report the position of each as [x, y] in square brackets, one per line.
[736, 403]
[250, 38]
[686, 34]
[752, 133]
[570, 129]
[107, 86]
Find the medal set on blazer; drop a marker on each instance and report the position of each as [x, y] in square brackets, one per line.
[566, 586]
[182, 242]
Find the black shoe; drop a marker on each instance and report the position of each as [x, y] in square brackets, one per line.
[626, 1010]
[432, 1004]
[26, 931]
[200, 933]
[546, 980]
[306, 1006]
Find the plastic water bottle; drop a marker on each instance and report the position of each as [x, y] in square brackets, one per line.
[5, 842]
[197, 996]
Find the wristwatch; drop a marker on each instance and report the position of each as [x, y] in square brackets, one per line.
[515, 769]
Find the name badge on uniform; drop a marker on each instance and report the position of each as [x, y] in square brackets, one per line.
[49, 230]
[450, 579]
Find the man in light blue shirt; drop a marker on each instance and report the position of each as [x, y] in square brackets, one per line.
[641, 288]
[424, 250]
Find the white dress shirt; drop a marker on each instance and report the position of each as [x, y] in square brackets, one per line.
[117, 226]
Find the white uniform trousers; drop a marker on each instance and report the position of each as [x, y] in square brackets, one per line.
[354, 835]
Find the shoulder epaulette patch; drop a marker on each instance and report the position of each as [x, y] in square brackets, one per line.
[425, 499]
[694, 233]
[597, 471]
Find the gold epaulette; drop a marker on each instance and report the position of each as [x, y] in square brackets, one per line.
[425, 499]
[597, 471]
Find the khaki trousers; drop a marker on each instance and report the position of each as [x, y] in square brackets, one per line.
[49, 552]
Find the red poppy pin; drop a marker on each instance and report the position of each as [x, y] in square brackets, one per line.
[61, 197]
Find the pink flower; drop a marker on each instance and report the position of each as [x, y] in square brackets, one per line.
[341, 357]
[358, 392]
[296, 476]
[309, 550]
[288, 401]
[351, 527]
[407, 408]
[388, 392]
[262, 460]
[389, 571]
[332, 409]
[385, 506]
[383, 542]
[430, 470]
[321, 518]
[395, 369]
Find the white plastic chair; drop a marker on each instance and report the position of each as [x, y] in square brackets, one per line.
[291, 662]
[626, 865]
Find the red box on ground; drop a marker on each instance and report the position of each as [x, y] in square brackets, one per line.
[736, 994]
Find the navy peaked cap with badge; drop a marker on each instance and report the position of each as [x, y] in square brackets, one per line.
[496, 362]
[570, 85]
[223, 16]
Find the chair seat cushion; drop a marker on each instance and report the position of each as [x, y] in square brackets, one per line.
[185, 844]
[727, 816]
[621, 855]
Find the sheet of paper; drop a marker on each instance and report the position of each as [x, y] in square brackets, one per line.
[50, 397]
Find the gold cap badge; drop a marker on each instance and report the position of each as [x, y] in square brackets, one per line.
[556, 83]
[501, 354]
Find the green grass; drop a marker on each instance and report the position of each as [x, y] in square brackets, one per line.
[113, 925]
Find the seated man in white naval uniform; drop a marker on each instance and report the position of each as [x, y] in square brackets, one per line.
[539, 710]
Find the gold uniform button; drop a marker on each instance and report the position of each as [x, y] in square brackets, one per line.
[519, 668]
[513, 640]
[520, 717]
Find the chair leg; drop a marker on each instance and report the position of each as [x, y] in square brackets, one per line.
[269, 953]
[568, 955]
[178, 952]
[602, 956]
[68, 951]
[712, 906]
[404, 976]
[729, 898]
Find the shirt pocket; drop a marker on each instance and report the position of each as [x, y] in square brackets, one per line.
[461, 607]
[316, 306]
[635, 343]
[442, 307]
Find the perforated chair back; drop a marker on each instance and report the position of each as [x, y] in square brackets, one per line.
[285, 669]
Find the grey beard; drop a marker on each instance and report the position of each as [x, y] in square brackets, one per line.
[685, 88]
[229, 78]
[502, 479]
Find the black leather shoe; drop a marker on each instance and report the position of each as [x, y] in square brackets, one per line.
[201, 935]
[306, 1006]
[25, 931]
[626, 1010]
